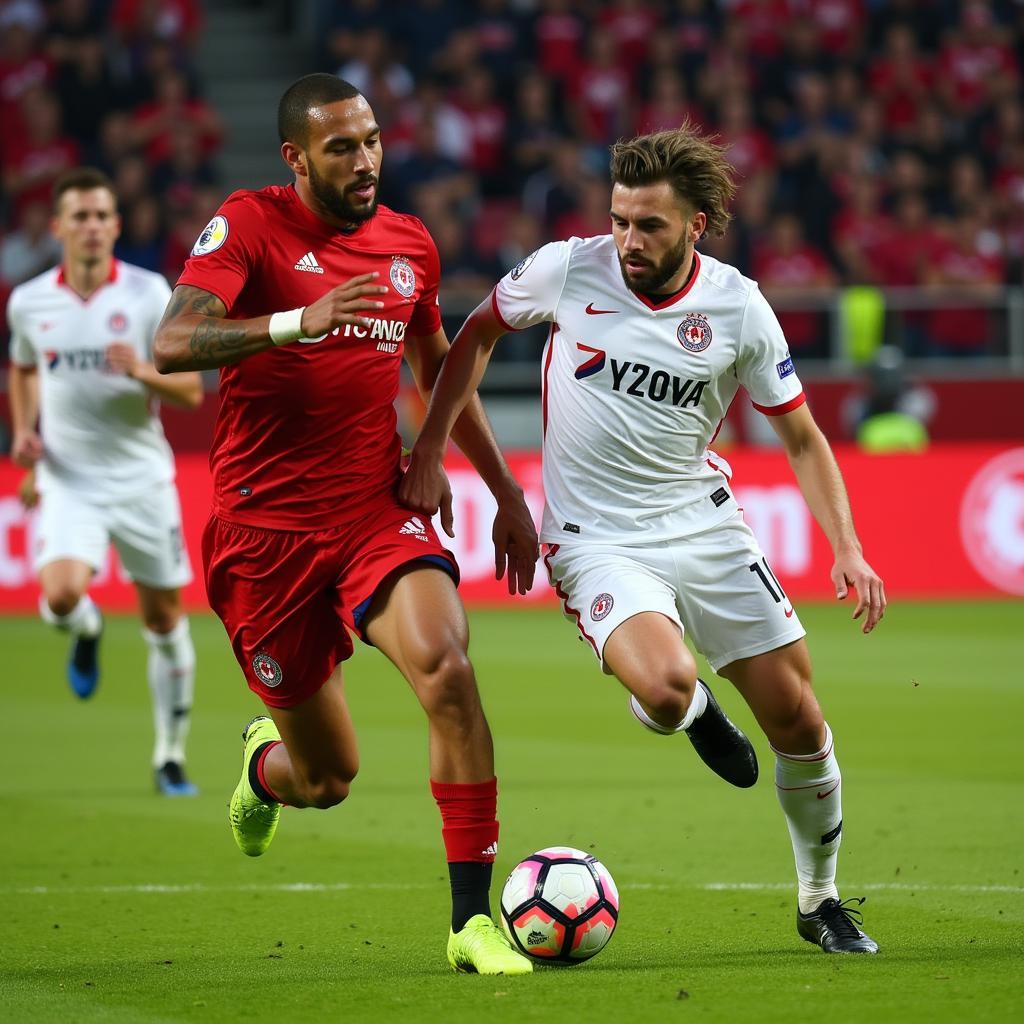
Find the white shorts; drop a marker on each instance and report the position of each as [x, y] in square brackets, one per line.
[145, 530]
[716, 584]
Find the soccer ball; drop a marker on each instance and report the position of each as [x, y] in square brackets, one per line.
[560, 906]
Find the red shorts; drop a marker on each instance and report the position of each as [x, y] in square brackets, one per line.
[286, 598]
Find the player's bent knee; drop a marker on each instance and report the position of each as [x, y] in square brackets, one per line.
[450, 689]
[668, 695]
[327, 791]
[63, 599]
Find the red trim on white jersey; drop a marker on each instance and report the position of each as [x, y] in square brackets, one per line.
[716, 467]
[564, 597]
[780, 410]
[720, 422]
[111, 278]
[672, 299]
[497, 312]
[544, 379]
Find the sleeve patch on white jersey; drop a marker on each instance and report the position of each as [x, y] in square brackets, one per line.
[213, 236]
[785, 368]
[520, 268]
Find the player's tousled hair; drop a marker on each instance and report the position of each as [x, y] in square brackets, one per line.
[304, 94]
[81, 178]
[693, 164]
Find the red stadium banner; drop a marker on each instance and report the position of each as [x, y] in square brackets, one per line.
[948, 523]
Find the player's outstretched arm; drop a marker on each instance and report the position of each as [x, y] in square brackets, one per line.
[516, 546]
[195, 333]
[821, 483]
[425, 486]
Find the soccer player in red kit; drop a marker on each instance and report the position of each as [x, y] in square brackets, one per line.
[307, 297]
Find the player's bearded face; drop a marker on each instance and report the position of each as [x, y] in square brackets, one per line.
[644, 273]
[344, 202]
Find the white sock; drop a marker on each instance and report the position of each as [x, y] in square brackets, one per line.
[810, 792]
[83, 620]
[698, 703]
[172, 670]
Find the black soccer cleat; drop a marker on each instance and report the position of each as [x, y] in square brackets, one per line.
[723, 747]
[833, 926]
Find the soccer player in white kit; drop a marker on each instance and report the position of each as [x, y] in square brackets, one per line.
[649, 342]
[81, 335]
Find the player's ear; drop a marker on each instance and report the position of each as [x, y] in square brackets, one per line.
[294, 157]
[698, 226]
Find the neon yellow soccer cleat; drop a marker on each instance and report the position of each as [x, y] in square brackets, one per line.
[253, 822]
[481, 948]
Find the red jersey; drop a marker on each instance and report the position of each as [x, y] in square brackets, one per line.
[306, 433]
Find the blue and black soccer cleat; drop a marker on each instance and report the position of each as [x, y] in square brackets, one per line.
[171, 780]
[84, 665]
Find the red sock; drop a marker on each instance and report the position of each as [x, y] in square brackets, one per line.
[469, 822]
[261, 756]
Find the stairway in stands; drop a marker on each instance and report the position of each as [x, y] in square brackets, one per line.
[247, 58]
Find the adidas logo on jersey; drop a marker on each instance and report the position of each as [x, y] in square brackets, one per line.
[491, 851]
[309, 264]
[414, 528]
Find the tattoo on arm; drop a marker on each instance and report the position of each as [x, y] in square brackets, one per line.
[191, 301]
[210, 341]
[213, 341]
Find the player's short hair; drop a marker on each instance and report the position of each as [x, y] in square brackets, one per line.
[694, 164]
[301, 96]
[81, 178]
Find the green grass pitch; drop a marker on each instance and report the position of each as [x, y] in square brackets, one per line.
[117, 905]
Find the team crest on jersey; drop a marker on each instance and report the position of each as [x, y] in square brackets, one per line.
[118, 323]
[601, 606]
[520, 268]
[694, 333]
[403, 277]
[213, 236]
[268, 672]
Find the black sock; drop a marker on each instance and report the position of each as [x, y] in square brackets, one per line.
[254, 776]
[471, 886]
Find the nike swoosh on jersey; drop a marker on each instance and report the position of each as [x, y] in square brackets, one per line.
[597, 312]
[789, 612]
[821, 796]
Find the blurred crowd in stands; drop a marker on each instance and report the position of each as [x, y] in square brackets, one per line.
[110, 83]
[876, 142]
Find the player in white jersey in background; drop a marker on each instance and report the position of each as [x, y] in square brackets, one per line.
[81, 365]
[648, 345]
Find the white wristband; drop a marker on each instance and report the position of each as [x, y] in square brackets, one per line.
[286, 326]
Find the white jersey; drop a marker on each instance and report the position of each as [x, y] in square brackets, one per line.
[101, 431]
[635, 392]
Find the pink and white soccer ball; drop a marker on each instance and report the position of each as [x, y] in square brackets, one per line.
[560, 906]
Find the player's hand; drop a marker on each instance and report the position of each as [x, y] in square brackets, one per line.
[424, 487]
[122, 358]
[345, 304]
[27, 448]
[516, 545]
[27, 493]
[850, 570]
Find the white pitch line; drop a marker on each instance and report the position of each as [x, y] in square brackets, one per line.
[320, 887]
